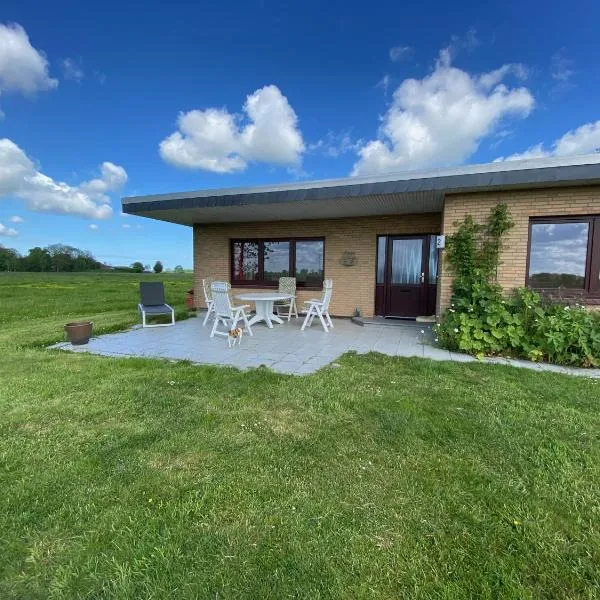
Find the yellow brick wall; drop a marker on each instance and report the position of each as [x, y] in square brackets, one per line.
[522, 205]
[353, 286]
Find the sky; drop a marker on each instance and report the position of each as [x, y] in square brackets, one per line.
[98, 102]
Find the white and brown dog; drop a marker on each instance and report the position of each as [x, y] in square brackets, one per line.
[234, 336]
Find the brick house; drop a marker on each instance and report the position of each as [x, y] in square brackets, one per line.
[377, 237]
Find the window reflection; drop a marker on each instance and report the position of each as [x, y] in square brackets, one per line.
[309, 261]
[558, 255]
[277, 260]
[245, 260]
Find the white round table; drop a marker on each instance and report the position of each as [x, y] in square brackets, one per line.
[264, 306]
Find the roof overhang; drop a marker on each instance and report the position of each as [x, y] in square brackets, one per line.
[402, 193]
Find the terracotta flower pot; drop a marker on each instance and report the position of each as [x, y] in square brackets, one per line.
[79, 332]
[189, 300]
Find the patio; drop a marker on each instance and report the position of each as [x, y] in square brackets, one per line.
[285, 349]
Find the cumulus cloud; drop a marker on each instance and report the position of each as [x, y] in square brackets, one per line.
[93, 226]
[72, 69]
[16, 219]
[583, 140]
[7, 231]
[400, 53]
[22, 68]
[441, 119]
[217, 140]
[19, 178]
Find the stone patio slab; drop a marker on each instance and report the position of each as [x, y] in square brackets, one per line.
[285, 348]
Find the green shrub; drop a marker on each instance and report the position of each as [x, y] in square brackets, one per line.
[480, 321]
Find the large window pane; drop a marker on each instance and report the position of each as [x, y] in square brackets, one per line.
[407, 261]
[277, 260]
[309, 262]
[558, 255]
[381, 248]
[245, 261]
[433, 259]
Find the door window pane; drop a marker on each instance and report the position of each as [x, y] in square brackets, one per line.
[245, 261]
[407, 261]
[309, 262]
[433, 259]
[277, 260]
[381, 247]
[558, 255]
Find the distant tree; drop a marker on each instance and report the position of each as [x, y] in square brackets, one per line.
[158, 267]
[10, 259]
[137, 267]
[38, 259]
[178, 269]
[147, 268]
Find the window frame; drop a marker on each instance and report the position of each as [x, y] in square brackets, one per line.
[591, 286]
[260, 282]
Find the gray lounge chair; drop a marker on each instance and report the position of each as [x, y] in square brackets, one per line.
[152, 302]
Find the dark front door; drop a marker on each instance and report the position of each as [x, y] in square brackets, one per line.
[406, 275]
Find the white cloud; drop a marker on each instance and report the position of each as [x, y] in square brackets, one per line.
[8, 231]
[72, 69]
[561, 68]
[441, 119]
[400, 53]
[93, 226]
[22, 68]
[334, 145]
[19, 178]
[126, 226]
[384, 84]
[583, 140]
[216, 140]
[16, 219]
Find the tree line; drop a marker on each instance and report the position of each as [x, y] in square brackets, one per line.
[60, 258]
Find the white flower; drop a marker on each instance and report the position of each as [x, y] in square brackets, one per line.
[566, 308]
[456, 330]
[422, 331]
[436, 339]
[452, 310]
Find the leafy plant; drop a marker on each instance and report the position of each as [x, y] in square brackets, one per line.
[482, 322]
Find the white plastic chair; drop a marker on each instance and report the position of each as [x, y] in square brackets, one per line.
[320, 308]
[210, 306]
[223, 310]
[287, 285]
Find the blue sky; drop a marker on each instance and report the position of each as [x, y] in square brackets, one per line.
[106, 101]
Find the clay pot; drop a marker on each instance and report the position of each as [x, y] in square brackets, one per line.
[79, 332]
[189, 300]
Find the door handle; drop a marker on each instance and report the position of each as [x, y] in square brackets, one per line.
[422, 277]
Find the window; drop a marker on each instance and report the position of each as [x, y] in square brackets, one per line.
[262, 262]
[565, 253]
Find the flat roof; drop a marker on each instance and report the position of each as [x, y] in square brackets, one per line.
[403, 193]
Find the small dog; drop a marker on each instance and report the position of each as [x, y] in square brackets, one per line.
[234, 336]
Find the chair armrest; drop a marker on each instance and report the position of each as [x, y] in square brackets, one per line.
[241, 306]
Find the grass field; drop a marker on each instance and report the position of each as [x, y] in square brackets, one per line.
[384, 478]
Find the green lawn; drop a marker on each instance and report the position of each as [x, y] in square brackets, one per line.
[384, 478]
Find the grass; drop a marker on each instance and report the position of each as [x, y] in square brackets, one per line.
[384, 478]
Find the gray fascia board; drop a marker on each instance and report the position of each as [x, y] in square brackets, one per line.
[546, 176]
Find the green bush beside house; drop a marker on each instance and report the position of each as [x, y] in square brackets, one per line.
[482, 322]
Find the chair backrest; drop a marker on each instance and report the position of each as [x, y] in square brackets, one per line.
[206, 283]
[152, 293]
[287, 285]
[220, 296]
[326, 298]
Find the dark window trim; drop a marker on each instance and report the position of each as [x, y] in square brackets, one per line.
[260, 281]
[591, 287]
